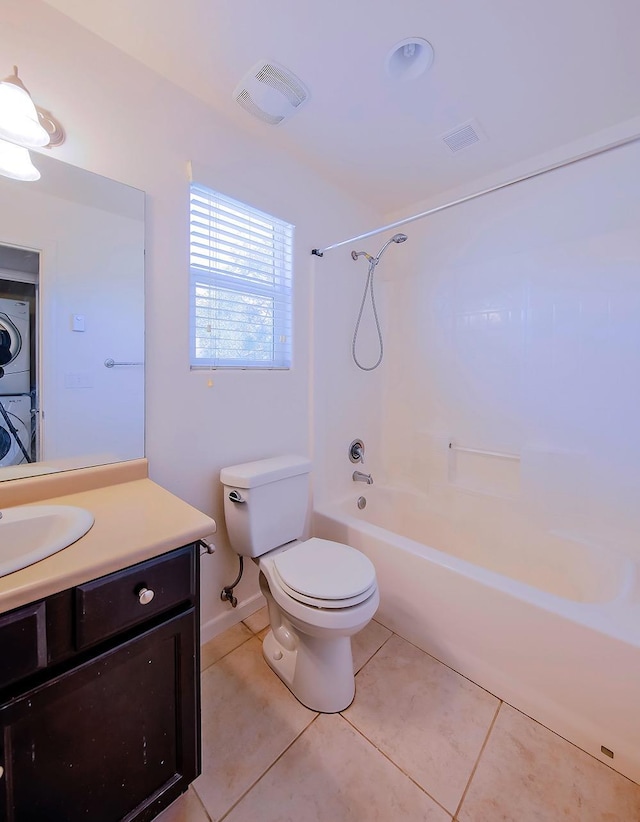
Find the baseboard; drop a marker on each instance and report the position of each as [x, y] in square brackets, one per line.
[220, 623]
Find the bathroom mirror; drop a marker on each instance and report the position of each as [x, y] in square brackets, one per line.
[71, 321]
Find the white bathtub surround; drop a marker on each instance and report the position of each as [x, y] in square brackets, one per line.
[512, 328]
[542, 621]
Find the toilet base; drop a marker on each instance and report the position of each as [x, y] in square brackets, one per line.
[318, 671]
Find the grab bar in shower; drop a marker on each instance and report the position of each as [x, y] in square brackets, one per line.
[501, 454]
[111, 363]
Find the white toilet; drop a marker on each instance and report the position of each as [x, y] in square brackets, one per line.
[319, 592]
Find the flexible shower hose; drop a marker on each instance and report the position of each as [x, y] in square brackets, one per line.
[368, 287]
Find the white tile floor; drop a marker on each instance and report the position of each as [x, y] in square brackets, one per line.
[419, 742]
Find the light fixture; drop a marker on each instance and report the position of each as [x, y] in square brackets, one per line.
[23, 126]
[15, 162]
[409, 58]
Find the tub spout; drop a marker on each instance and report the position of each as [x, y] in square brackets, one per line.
[358, 476]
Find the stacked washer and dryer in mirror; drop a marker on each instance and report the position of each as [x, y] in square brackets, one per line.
[15, 382]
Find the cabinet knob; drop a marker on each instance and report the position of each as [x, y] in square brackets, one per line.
[145, 595]
[1, 771]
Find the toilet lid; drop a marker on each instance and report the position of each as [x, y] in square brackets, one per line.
[322, 569]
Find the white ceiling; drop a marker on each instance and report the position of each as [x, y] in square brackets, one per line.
[534, 74]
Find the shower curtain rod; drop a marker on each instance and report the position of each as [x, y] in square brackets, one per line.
[319, 252]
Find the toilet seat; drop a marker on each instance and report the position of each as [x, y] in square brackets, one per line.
[325, 574]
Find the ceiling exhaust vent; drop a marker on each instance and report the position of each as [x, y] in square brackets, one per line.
[463, 136]
[271, 92]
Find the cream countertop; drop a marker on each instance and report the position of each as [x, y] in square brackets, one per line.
[135, 520]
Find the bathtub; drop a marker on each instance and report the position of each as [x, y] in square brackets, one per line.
[545, 621]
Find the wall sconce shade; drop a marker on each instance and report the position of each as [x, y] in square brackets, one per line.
[19, 121]
[23, 126]
[15, 162]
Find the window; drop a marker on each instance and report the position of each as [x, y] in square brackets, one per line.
[241, 266]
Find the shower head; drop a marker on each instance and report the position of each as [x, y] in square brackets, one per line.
[397, 238]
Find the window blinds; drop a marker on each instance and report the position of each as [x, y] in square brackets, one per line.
[241, 272]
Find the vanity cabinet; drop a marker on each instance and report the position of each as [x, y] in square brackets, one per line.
[99, 696]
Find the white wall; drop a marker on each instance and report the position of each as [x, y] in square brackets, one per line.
[127, 123]
[514, 327]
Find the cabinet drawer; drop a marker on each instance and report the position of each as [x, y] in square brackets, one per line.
[23, 642]
[119, 601]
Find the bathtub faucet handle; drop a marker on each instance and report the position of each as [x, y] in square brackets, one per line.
[356, 451]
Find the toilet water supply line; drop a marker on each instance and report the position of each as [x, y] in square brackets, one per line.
[226, 595]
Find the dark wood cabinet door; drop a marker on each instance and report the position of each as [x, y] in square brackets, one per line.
[113, 739]
[23, 642]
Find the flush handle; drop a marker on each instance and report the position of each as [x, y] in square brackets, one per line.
[236, 496]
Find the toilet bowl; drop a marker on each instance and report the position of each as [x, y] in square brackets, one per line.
[309, 644]
[319, 592]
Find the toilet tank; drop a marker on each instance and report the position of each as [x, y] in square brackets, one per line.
[265, 503]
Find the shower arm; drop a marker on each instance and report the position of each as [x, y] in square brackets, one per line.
[373, 261]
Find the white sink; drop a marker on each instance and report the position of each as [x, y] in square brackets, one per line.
[29, 533]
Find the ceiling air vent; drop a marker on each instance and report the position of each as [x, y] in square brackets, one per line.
[463, 136]
[271, 92]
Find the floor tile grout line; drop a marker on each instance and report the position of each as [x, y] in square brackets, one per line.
[254, 634]
[569, 742]
[202, 805]
[506, 702]
[475, 767]
[488, 736]
[395, 764]
[249, 628]
[364, 664]
[493, 721]
[386, 756]
[266, 771]
[501, 699]
[473, 682]
[244, 642]
[446, 665]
